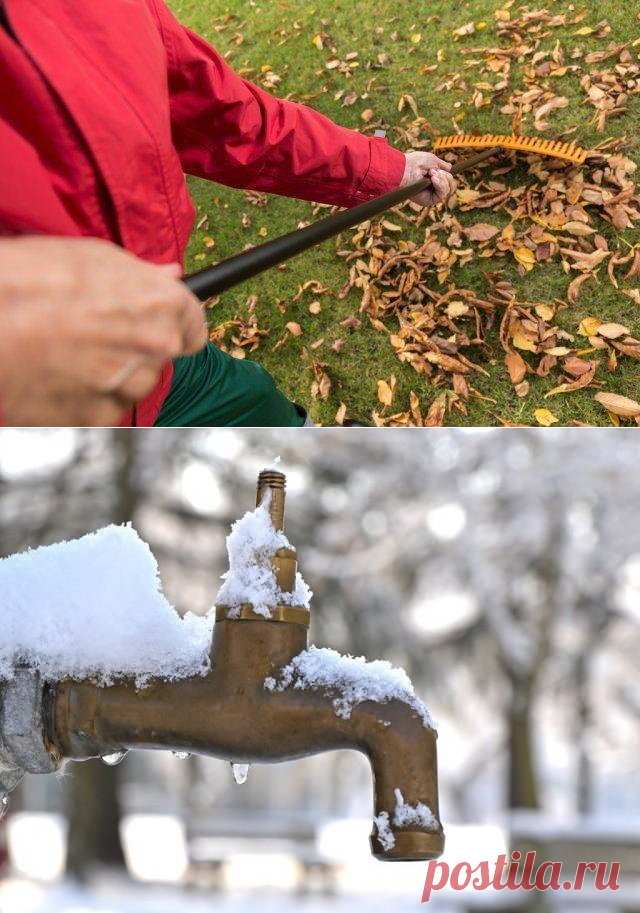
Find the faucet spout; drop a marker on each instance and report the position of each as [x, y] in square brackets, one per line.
[230, 714]
[234, 712]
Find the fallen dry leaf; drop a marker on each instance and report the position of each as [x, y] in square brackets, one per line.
[457, 309]
[575, 285]
[589, 326]
[414, 404]
[481, 231]
[576, 366]
[544, 311]
[435, 415]
[621, 406]
[545, 418]
[525, 256]
[582, 381]
[612, 330]
[516, 366]
[321, 385]
[385, 393]
[579, 229]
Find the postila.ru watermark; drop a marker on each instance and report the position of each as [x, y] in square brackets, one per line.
[547, 877]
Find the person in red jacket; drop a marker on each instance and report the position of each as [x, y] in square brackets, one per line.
[103, 108]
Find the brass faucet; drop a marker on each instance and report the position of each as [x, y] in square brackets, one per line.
[229, 713]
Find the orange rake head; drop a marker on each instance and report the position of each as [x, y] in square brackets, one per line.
[567, 151]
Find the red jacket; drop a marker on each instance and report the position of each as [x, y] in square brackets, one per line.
[103, 107]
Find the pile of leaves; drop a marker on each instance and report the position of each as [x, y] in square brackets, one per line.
[408, 290]
[553, 212]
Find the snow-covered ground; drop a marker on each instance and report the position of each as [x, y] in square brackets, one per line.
[263, 882]
[109, 895]
[114, 896]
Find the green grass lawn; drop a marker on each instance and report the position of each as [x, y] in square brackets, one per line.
[279, 34]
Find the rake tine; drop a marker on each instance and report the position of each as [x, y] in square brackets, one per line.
[553, 148]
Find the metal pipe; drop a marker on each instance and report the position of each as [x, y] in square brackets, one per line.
[273, 482]
[212, 280]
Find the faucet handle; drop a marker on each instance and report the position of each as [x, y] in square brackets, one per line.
[273, 482]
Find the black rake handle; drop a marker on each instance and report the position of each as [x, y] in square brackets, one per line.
[212, 280]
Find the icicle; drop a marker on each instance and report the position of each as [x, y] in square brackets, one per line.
[240, 772]
[112, 759]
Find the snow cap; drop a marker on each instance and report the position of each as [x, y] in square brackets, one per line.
[93, 608]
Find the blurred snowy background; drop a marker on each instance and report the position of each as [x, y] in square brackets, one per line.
[500, 568]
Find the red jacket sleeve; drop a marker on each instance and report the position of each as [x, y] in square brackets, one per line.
[228, 130]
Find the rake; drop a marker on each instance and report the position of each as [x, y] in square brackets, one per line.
[567, 151]
[213, 280]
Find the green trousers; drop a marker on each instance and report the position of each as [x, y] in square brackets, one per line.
[215, 389]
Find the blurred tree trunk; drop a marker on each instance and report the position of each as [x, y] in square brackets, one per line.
[584, 772]
[523, 784]
[525, 679]
[94, 818]
[93, 806]
[597, 611]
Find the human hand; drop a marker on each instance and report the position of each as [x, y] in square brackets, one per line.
[85, 329]
[424, 164]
